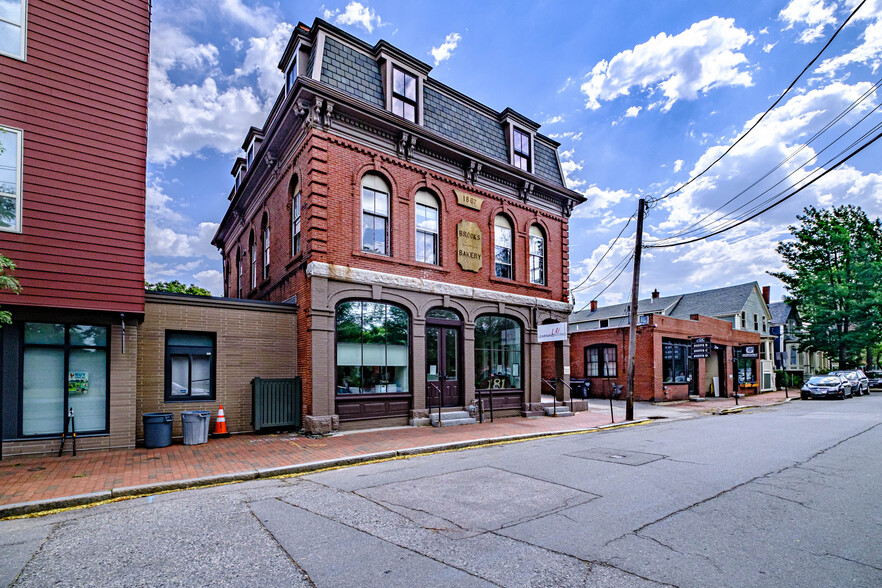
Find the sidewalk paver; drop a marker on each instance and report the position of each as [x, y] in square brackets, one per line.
[93, 475]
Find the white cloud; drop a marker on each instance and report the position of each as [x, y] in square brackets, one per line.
[445, 50]
[158, 202]
[869, 50]
[262, 59]
[633, 111]
[355, 14]
[767, 48]
[553, 119]
[814, 15]
[764, 31]
[166, 242]
[211, 280]
[259, 17]
[678, 165]
[572, 135]
[566, 85]
[599, 200]
[703, 57]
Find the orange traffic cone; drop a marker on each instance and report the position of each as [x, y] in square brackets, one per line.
[220, 425]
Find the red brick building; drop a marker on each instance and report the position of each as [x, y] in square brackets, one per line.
[73, 126]
[712, 343]
[422, 235]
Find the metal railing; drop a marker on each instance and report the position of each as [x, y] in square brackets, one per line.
[481, 404]
[554, 387]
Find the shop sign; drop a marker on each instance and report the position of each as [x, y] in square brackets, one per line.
[468, 246]
[553, 332]
[468, 200]
[701, 348]
[750, 352]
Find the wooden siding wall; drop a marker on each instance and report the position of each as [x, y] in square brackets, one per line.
[81, 99]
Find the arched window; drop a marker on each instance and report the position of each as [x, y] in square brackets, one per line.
[374, 214]
[498, 357]
[239, 255]
[252, 248]
[601, 361]
[295, 216]
[266, 245]
[502, 238]
[372, 348]
[426, 227]
[537, 255]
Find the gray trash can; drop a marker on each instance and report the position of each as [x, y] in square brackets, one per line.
[157, 429]
[195, 425]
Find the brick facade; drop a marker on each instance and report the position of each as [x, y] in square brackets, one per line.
[649, 382]
[253, 340]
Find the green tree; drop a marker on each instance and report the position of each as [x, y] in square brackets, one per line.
[834, 267]
[177, 288]
[7, 282]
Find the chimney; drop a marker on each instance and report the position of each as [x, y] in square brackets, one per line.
[767, 294]
[693, 317]
[655, 294]
[593, 305]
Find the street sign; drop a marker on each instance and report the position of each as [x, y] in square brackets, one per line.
[701, 348]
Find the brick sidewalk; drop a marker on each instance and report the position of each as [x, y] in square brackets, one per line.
[27, 479]
[714, 405]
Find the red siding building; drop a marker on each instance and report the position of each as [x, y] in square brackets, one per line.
[73, 126]
[423, 235]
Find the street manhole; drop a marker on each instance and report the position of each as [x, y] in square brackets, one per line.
[632, 458]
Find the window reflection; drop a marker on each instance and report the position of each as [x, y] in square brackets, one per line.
[372, 348]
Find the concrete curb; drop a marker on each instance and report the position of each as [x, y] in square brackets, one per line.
[83, 500]
[737, 409]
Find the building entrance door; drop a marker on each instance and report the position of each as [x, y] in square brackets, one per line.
[443, 373]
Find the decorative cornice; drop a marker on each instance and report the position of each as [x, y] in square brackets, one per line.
[343, 273]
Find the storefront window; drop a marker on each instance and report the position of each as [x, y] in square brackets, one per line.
[746, 366]
[372, 348]
[64, 366]
[498, 358]
[675, 361]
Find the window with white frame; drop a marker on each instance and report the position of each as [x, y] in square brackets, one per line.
[295, 221]
[374, 214]
[253, 252]
[239, 273]
[521, 150]
[10, 178]
[502, 240]
[404, 94]
[537, 255]
[266, 246]
[13, 28]
[426, 227]
[291, 74]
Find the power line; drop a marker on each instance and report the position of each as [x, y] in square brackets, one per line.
[608, 249]
[768, 110]
[788, 196]
[605, 288]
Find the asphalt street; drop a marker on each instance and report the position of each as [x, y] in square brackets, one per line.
[787, 496]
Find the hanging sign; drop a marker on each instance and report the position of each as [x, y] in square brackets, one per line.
[468, 246]
[701, 348]
[553, 332]
[468, 200]
[750, 352]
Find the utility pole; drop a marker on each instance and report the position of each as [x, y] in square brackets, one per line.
[632, 330]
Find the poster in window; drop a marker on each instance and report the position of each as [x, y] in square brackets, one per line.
[77, 383]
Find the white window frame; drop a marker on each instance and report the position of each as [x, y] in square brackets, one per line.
[23, 24]
[377, 185]
[426, 199]
[295, 223]
[537, 262]
[501, 223]
[266, 249]
[239, 257]
[252, 246]
[19, 174]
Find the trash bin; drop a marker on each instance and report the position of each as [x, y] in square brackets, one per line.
[195, 426]
[579, 388]
[157, 429]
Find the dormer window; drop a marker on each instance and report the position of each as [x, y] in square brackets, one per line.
[404, 94]
[521, 151]
[291, 75]
[250, 156]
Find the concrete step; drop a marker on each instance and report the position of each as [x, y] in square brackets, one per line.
[454, 414]
[562, 411]
[450, 422]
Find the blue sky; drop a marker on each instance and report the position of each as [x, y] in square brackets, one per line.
[639, 94]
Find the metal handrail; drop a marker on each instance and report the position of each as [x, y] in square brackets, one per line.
[554, 404]
[481, 403]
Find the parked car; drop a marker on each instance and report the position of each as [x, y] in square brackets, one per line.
[860, 384]
[829, 386]
[875, 378]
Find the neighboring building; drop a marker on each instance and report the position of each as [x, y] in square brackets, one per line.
[423, 235]
[786, 325]
[73, 125]
[710, 343]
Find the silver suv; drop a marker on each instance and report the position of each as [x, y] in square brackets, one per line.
[860, 384]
